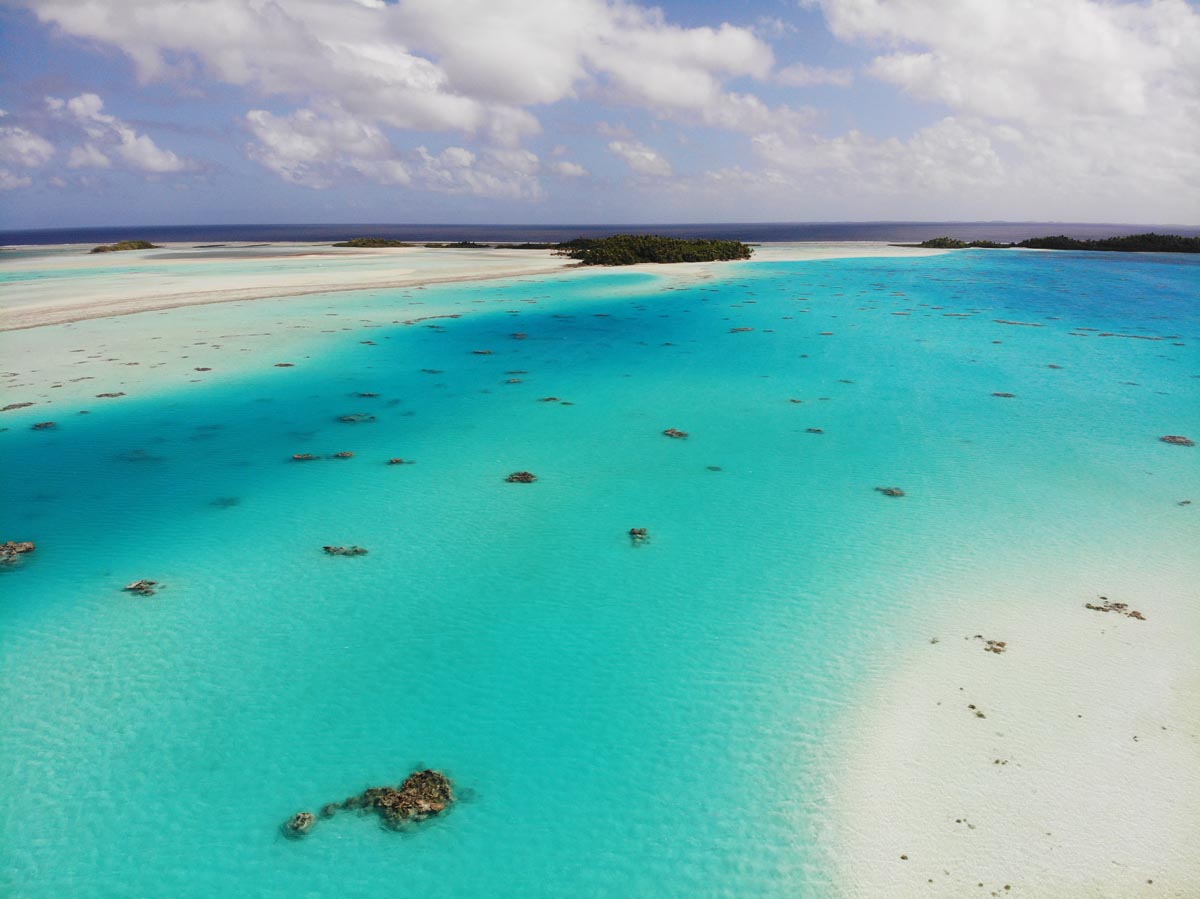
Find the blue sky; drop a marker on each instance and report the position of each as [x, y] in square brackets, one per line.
[582, 111]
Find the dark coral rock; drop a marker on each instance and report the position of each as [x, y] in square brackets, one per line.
[344, 454]
[45, 426]
[638, 536]
[142, 587]
[422, 795]
[356, 418]
[299, 824]
[521, 477]
[11, 552]
[345, 550]
[1173, 439]
[890, 491]
[675, 433]
[303, 457]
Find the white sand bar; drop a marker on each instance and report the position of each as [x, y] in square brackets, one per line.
[1081, 780]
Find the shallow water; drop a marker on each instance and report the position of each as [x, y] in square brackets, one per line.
[622, 720]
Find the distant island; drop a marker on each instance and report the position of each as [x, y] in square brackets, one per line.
[1132, 243]
[372, 242]
[630, 249]
[125, 245]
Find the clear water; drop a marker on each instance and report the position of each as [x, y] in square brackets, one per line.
[622, 721]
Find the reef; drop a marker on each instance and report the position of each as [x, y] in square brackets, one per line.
[299, 824]
[890, 491]
[303, 457]
[109, 395]
[996, 646]
[356, 418]
[11, 552]
[345, 550]
[521, 477]
[12, 406]
[142, 587]
[814, 431]
[1008, 396]
[638, 536]
[675, 433]
[423, 795]
[45, 426]
[1121, 608]
[1174, 439]
[344, 454]
[397, 461]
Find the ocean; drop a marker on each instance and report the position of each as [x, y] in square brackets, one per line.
[746, 231]
[620, 718]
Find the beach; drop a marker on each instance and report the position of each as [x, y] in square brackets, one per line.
[796, 673]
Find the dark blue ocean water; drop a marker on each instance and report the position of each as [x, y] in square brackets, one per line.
[747, 231]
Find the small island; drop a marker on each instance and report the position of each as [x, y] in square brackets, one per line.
[630, 249]
[1130, 243]
[372, 243]
[123, 245]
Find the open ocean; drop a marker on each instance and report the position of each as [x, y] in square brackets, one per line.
[620, 720]
[747, 231]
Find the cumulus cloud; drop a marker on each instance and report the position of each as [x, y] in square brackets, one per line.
[314, 150]
[472, 67]
[1057, 99]
[20, 148]
[568, 169]
[641, 159]
[108, 133]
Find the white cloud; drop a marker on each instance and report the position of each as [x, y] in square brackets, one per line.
[640, 158]
[314, 150]
[1088, 99]
[568, 169]
[19, 146]
[473, 67]
[108, 133]
[9, 181]
[87, 157]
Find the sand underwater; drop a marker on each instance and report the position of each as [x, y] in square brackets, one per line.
[780, 693]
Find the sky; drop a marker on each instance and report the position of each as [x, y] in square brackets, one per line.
[598, 111]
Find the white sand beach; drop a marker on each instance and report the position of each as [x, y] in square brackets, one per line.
[1066, 767]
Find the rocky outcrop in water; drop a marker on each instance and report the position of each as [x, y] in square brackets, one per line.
[890, 491]
[638, 536]
[1177, 440]
[356, 418]
[142, 587]
[11, 552]
[1121, 608]
[675, 433]
[299, 824]
[345, 550]
[422, 795]
[521, 477]
[45, 426]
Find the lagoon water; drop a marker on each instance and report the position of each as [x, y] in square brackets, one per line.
[621, 720]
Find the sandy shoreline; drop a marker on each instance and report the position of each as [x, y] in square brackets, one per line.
[1066, 767]
[159, 286]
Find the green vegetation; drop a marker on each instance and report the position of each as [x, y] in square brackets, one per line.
[629, 249]
[372, 242]
[1132, 243]
[530, 246]
[125, 245]
[458, 245]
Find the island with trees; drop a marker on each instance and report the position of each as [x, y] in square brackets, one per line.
[123, 245]
[1130, 243]
[371, 243]
[630, 249]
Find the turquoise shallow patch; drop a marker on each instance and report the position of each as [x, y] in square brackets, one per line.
[623, 720]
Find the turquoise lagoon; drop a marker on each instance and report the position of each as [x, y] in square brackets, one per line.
[620, 720]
